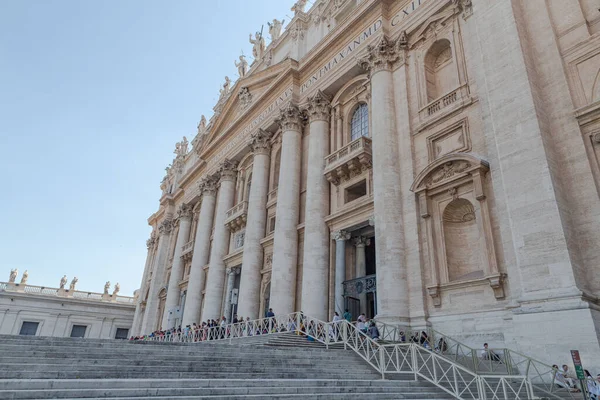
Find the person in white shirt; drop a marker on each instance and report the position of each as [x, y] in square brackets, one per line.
[360, 323]
[488, 354]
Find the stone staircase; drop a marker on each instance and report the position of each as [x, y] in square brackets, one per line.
[284, 366]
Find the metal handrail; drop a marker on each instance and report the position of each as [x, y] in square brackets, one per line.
[498, 362]
[412, 358]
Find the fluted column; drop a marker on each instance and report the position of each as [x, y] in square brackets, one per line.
[360, 243]
[231, 273]
[193, 302]
[138, 317]
[158, 278]
[184, 215]
[315, 272]
[392, 288]
[340, 238]
[213, 299]
[285, 254]
[252, 261]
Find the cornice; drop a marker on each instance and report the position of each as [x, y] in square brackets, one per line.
[60, 300]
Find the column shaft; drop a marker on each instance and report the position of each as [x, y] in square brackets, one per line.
[392, 289]
[138, 316]
[173, 292]
[315, 272]
[285, 254]
[150, 323]
[213, 299]
[361, 268]
[252, 261]
[193, 301]
[228, 293]
[340, 269]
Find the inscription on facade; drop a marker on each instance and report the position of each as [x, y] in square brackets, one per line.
[251, 127]
[357, 43]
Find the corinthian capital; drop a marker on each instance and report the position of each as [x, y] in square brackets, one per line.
[150, 242]
[361, 241]
[340, 235]
[208, 186]
[184, 211]
[381, 55]
[228, 170]
[165, 227]
[290, 118]
[319, 107]
[260, 141]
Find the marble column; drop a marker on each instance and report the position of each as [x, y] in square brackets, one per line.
[213, 298]
[150, 323]
[184, 215]
[193, 303]
[231, 273]
[315, 272]
[340, 238]
[285, 255]
[392, 288]
[360, 243]
[138, 316]
[252, 261]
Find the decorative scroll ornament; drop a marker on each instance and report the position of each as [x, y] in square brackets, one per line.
[596, 137]
[208, 186]
[228, 170]
[165, 227]
[290, 118]
[319, 107]
[260, 141]
[382, 55]
[184, 211]
[466, 6]
[448, 170]
[150, 242]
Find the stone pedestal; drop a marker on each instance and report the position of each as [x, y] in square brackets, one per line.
[285, 255]
[213, 298]
[249, 299]
[193, 303]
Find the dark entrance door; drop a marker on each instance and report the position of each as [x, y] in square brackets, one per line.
[353, 305]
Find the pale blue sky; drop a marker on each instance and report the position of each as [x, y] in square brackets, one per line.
[94, 94]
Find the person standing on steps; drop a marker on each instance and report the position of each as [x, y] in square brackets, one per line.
[347, 315]
[271, 316]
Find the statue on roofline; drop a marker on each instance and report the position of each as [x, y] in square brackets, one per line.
[258, 49]
[242, 66]
[275, 28]
[63, 282]
[13, 275]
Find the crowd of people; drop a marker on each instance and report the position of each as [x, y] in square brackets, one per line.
[564, 379]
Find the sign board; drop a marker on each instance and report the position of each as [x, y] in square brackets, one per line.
[577, 364]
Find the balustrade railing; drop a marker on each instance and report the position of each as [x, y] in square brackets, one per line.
[54, 292]
[443, 102]
[407, 357]
[365, 284]
[239, 208]
[361, 144]
[186, 248]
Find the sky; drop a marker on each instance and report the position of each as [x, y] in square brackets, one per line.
[94, 94]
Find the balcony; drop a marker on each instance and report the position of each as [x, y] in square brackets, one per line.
[187, 248]
[349, 161]
[236, 216]
[358, 286]
[272, 197]
[443, 106]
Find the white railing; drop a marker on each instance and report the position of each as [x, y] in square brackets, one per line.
[443, 102]
[499, 362]
[3, 286]
[234, 211]
[409, 358]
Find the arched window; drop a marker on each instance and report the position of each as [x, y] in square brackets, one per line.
[276, 166]
[439, 70]
[359, 126]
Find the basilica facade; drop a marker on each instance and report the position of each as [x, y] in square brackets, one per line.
[425, 162]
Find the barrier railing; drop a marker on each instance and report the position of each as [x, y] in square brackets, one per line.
[416, 358]
[500, 362]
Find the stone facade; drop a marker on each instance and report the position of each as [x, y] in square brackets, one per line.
[64, 312]
[428, 162]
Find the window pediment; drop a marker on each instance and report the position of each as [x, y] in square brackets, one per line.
[448, 168]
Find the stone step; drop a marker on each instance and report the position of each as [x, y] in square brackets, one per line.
[164, 360]
[328, 396]
[178, 375]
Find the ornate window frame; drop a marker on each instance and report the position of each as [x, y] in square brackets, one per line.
[455, 175]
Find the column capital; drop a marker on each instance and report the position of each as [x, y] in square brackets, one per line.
[340, 235]
[382, 55]
[260, 141]
[184, 211]
[319, 107]
[208, 185]
[361, 241]
[233, 271]
[165, 227]
[290, 118]
[227, 170]
[151, 241]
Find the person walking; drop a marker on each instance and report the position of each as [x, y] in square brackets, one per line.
[347, 315]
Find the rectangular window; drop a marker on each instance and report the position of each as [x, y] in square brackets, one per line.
[29, 328]
[122, 333]
[356, 191]
[272, 224]
[78, 331]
